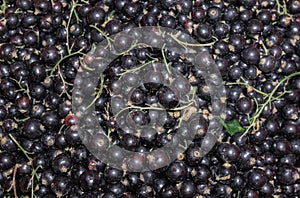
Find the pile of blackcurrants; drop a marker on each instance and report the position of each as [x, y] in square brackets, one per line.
[152, 102]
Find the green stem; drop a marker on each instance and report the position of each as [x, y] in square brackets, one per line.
[108, 133]
[3, 6]
[256, 110]
[268, 101]
[192, 44]
[264, 47]
[21, 88]
[247, 85]
[103, 33]
[21, 120]
[281, 9]
[165, 59]
[76, 16]
[86, 67]
[67, 29]
[32, 180]
[62, 59]
[284, 7]
[110, 15]
[73, 6]
[136, 44]
[99, 91]
[137, 68]
[169, 131]
[278, 6]
[154, 108]
[239, 194]
[282, 94]
[19, 146]
[64, 83]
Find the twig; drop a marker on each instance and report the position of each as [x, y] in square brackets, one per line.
[248, 86]
[14, 180]
[104, 34]
[192, 44]
[62, 59]
[153, 108]
[268, 101]
[73, 4]
[19, 146]
[3, 6]
[165, 60]
[99, 91]
[32, 180]
[137, 68]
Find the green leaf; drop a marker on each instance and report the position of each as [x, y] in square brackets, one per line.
[232, 127]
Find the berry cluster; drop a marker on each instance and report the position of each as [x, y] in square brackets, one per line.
[145, 99]
[142, 108]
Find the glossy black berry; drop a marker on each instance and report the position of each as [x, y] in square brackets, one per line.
[112, 175]
[245, 105]
[177, 172]
[50, 55]
[6, 161]
[168, 97]
[89, 180]
[168, 191]
[96, 15]
[62, 163]
[60, 185]
[256, 179]
[32, 129]
[250, 55]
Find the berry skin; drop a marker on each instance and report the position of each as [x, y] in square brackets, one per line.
[50, 55]
[112, 175]
[62, 163]
[167, 97]
[70, 120]
[32, 129]
[151, 119]
[60, 185]
[96, 15]
[287, 175]
[177, 172]
[89, 180]
[256, 179]
[137, 96]
[168, 191]
[188, 189]
[250, 55]
[244, 105]
[6, 161]
[229, 152]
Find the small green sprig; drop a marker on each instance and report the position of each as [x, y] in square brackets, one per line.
[137, 68]
[270, 98]
[104, 35]
[281, 8]
[34, 173]
[234, 126]
[99, 92]
[64, 58]
[3, 6]
[165, 60]
[110, 15]
[19, 146]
